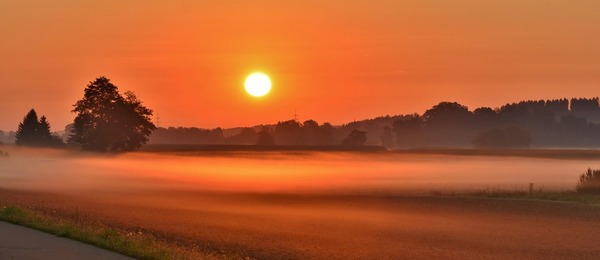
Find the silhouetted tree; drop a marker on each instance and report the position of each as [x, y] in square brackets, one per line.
[513, 114]
[186, 135]
[246, 136]
[264, 137]
[46, 137]
[289, 132]
[586, 108]
[311, 132]
[355, 138]
[387, 138]
[559, 107]
[216, 135]
[109, 121]
[509, 137]
[542, 123]
[532, 105]
[69, 131]
[448, 123]
[409, 131]
[34, 132]
[326, 131]
[44, 127]
[446, 113]
[492, 138]
[27, 133]
[518, 137]
[484, 115]
[575, 131]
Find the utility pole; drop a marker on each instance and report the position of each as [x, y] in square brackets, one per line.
[295, 115]
[157, 120]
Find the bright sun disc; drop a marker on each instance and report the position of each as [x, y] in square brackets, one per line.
[257, 84]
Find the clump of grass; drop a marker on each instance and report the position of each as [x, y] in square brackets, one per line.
[136, 245]
[13, 215]
[589, 182]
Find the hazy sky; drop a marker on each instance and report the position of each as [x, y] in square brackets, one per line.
[333, 62]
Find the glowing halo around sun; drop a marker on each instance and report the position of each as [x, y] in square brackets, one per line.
[257, 84]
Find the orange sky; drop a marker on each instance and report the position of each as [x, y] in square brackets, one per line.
[187, 59]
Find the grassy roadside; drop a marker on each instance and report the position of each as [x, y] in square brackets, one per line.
[132, 244]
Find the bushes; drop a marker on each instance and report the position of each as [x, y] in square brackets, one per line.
[589, 182]
[510, 137]
[355, 138]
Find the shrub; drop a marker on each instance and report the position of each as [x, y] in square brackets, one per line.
[589, 182]
[510, 137]
[355, 138]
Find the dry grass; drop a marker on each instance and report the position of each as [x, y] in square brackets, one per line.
[135, 244]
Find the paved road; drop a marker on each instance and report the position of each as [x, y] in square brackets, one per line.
[17, 242]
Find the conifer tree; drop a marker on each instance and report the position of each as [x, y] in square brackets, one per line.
[34, 132]
[27, 134]
[44, 128]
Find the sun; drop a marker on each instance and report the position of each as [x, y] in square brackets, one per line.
[257, 84]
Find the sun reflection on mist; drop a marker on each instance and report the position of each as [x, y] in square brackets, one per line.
[275, 171]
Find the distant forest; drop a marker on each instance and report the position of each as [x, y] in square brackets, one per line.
[542, 123]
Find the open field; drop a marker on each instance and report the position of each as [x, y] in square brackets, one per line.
[344, 227]
[312, 205]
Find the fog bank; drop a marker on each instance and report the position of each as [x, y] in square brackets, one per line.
[51, 170]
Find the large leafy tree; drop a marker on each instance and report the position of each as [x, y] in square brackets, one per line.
[109, 121]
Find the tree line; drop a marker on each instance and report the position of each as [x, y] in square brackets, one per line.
[290, 132]
[540, 123]
[107, 120]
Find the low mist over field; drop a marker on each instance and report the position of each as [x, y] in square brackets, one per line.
[55, 170]
[315, 205]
